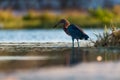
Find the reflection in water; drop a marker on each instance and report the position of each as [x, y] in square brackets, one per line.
[93, 64]
[97, 55]
[35, 59]
[75, 57]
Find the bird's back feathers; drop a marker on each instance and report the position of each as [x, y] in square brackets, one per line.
[76, 33]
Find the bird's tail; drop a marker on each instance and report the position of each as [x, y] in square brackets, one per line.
[86, 37]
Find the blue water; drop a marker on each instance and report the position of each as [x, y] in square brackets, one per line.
[41, 35]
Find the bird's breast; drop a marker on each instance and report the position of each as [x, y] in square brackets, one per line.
[65, 29]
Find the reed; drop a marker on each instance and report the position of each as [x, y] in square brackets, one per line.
[108, 39]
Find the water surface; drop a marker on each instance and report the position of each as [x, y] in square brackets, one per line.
[61, 64]
[41, 35]
[25, 62]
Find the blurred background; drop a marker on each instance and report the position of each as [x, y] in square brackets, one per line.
[32, 21]
[34, 14]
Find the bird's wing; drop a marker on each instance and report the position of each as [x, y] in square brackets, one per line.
[75, 31]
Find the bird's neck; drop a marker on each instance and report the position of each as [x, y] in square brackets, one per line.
[65, 27]
[66, 24]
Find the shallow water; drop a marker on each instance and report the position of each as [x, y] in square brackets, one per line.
[41, 35]
[37, 62]
[62, 64]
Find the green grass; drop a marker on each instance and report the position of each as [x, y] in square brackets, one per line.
[92, 19]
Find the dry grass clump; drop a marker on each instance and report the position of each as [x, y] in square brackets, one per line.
[108, 39]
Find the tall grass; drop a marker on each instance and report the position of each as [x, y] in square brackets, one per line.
[108, 39]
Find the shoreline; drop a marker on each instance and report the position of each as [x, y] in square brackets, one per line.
[38, 48]
[31, 55]
[46, 44]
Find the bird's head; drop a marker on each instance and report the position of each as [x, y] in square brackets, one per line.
[65, 22]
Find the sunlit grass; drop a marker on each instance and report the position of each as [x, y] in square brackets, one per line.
[108, 39]
[47, 19]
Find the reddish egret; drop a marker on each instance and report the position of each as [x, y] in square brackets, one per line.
[73, 30]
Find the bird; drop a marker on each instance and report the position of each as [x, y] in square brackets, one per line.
[72, 30]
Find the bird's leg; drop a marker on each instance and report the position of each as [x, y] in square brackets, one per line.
[78, 43]
[72, 45]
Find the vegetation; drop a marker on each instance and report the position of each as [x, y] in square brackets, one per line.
[33, 19]
[108, 39]
[104, 15]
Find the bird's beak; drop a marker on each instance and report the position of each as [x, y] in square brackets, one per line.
[56, 25]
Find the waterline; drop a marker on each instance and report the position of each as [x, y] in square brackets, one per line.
[4, 58]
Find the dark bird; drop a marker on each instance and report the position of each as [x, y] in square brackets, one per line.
[73, 30]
